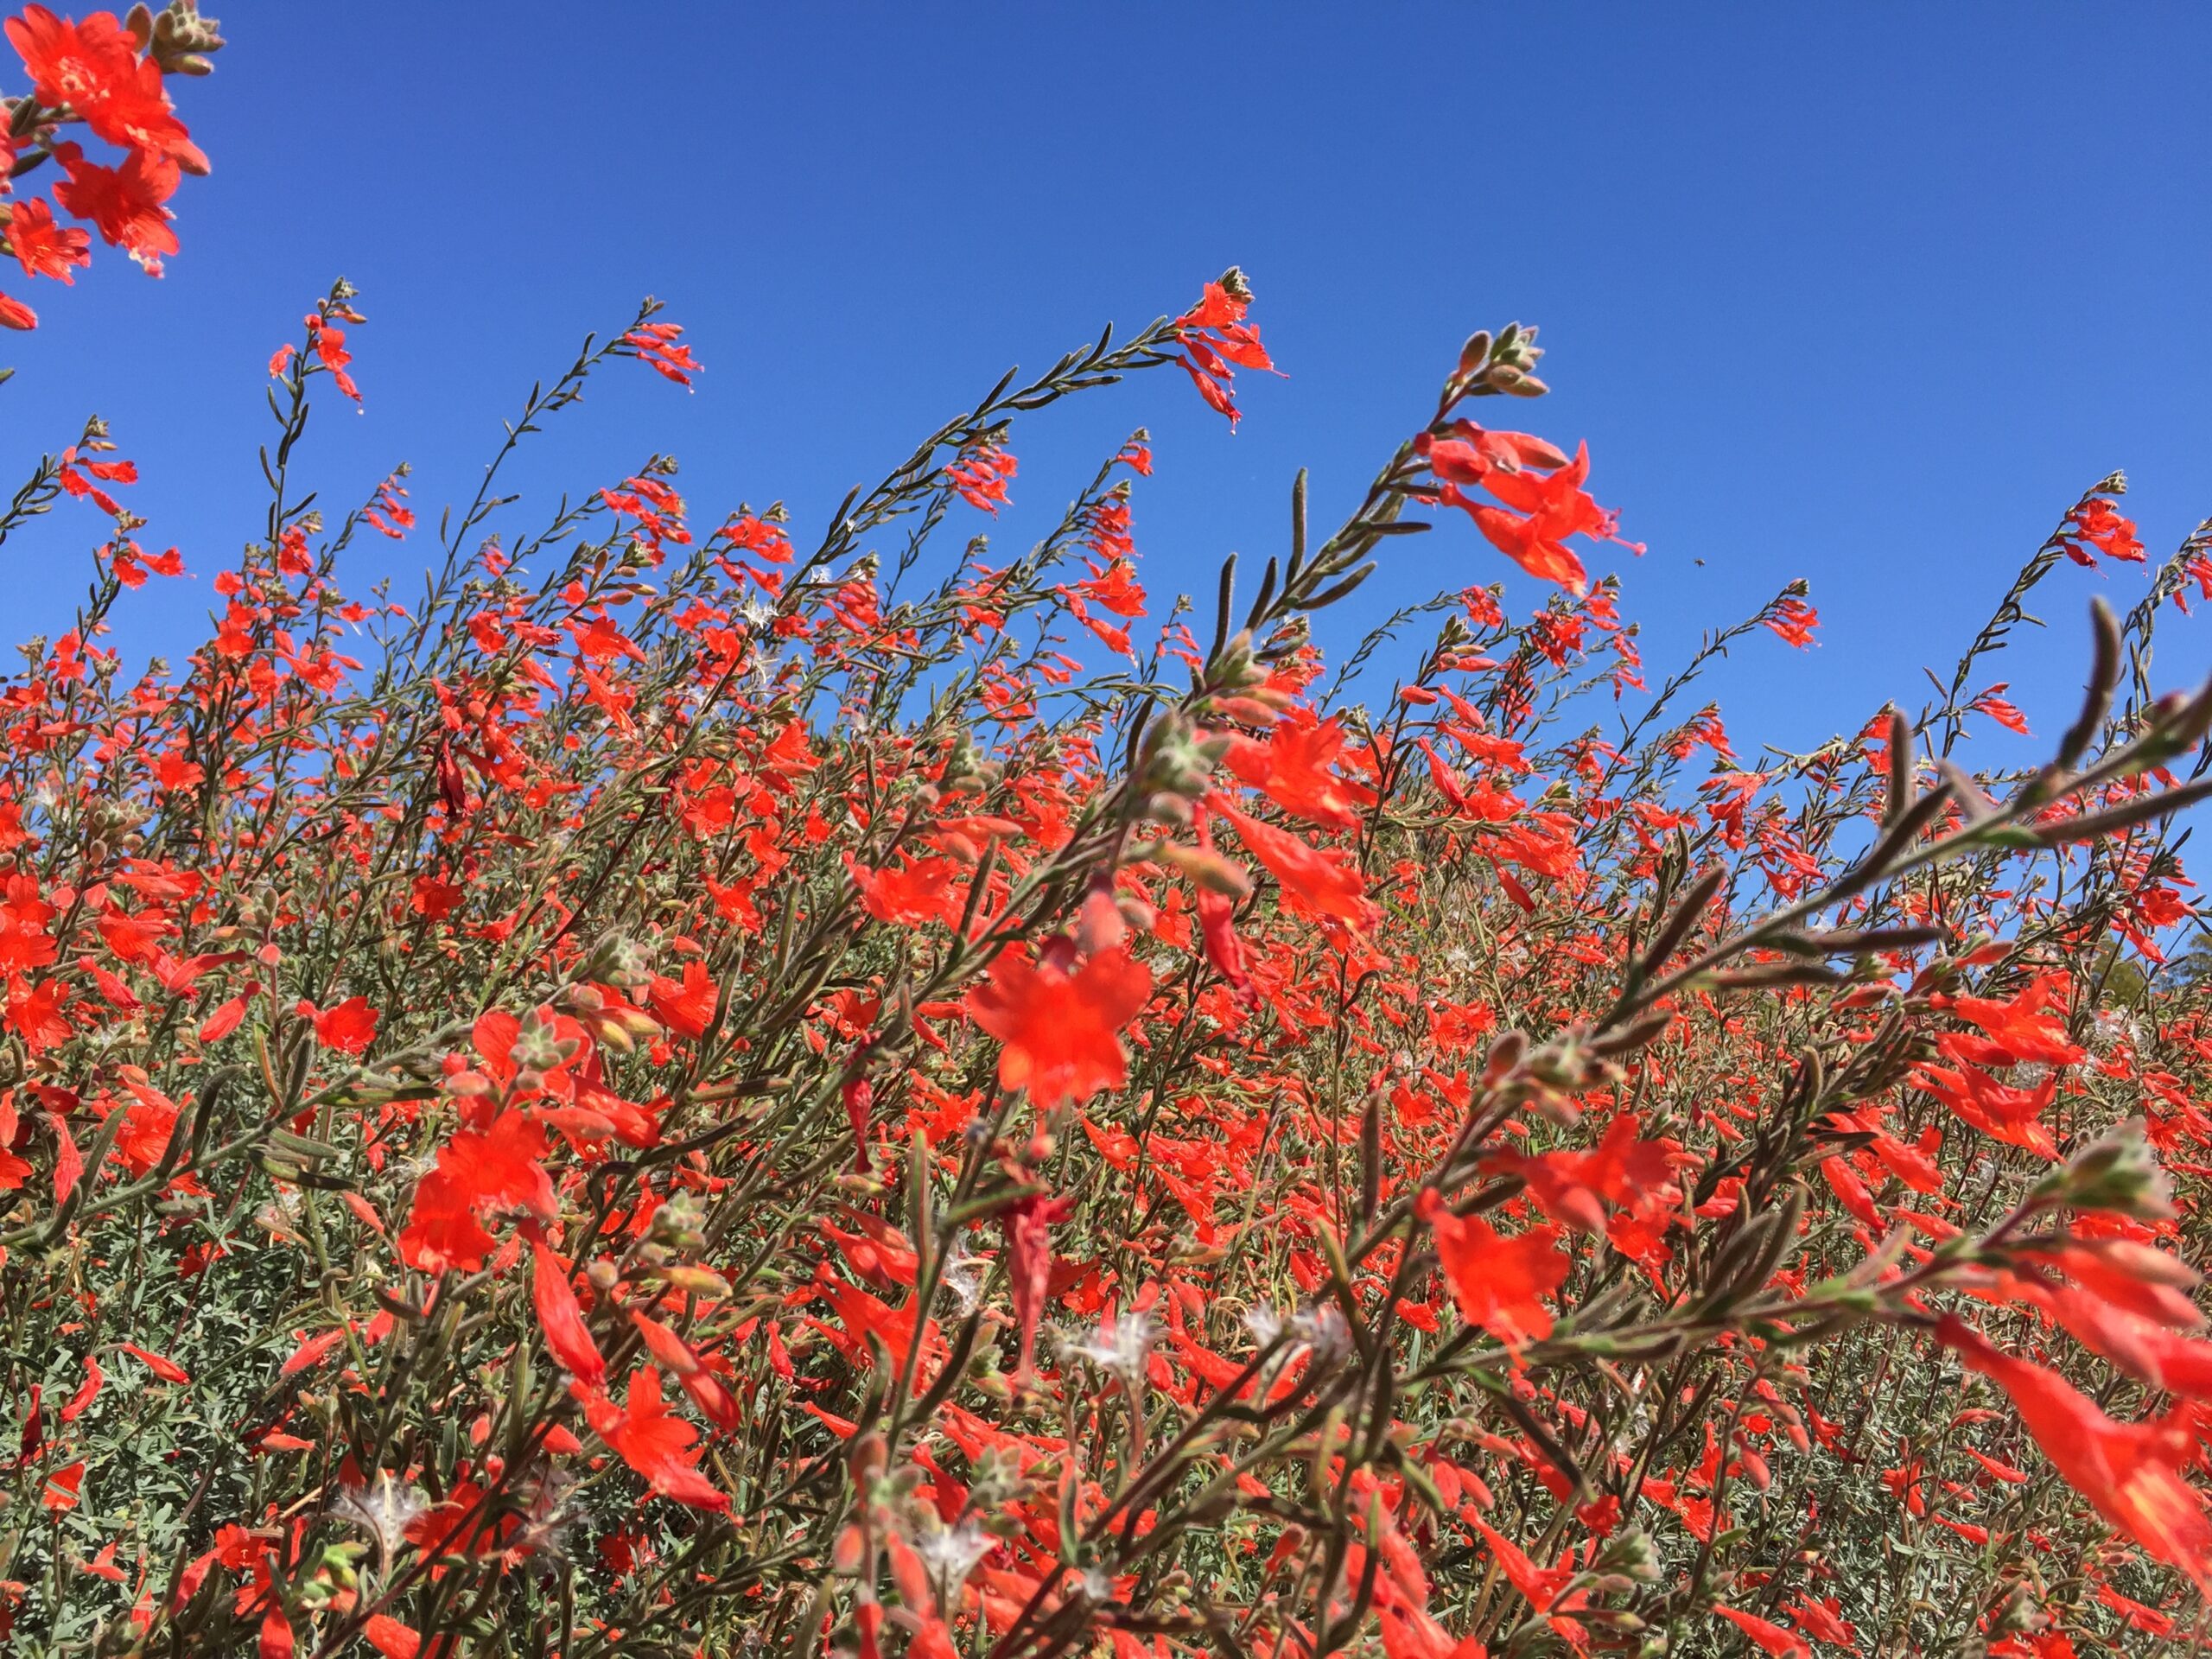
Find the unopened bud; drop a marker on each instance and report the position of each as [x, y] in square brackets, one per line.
[1504, 1055]
[866, 1459]
[1209, 870]
[2119, 1175]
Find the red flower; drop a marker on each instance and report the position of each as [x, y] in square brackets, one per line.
[981, 476]
[349, 1027]
[653, 1441]
[45, 248]
[686, 1006]
[561, 1319]
[1323, 883]
[392, 1638]
[1472, 454]
[94, 68]
[478, 1175]
[1296, 766]
[1793, 621]
[125, 202]
[1217, 921]
[329, 342]
[1028, 1226]
[13, 314]
[920, 890]
[1546, 507]
[1767, 1636]
[1577, 1187]
[1496, 1279]
[2130, 1471]
[859, 1095]
[1998, 1110]
[312, 1351]
[87, 1391]
[276, 1634]
[1061, 1030]
[654, 344]
[1217, 341]
[2100, 523]
[167, 1370]
[58, 1495]
[1994, 704]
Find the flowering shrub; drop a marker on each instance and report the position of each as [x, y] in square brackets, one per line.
[673, 1094]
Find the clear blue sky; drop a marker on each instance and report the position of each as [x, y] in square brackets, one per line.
[1864, 294]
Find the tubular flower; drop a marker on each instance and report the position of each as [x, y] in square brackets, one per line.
[1496, 1279]
[1061, 1030]
[2130, 1471]
[1321, 882]
[653, 1442]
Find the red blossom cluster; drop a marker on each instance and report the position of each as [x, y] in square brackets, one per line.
[110, 78]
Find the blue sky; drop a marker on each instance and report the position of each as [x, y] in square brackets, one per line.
[1865, 295]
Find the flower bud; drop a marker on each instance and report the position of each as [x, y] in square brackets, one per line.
[2119, 1175]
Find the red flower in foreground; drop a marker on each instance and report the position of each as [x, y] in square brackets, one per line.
[1320, 882]
[478, 1175]
[1495, 1279]
[2130, 1471]
[349, 1027]
[653, 1442]
[44, 248]
[561, 1319]
[94, 66]
[1061, 1030]
[124, 202]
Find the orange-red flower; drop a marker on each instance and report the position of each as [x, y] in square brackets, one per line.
[1297, 767]
[1028, 1224]
[1498, 1281]
[918, 891]
[94, 66]
[479, 1174]
[563, 1319]
[124, 203]
[1321, 882]
[653, 1442]
[1767, 1636]
[1061, 1030]
[2130, 1471]
[348, 1027]
[43, 247]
